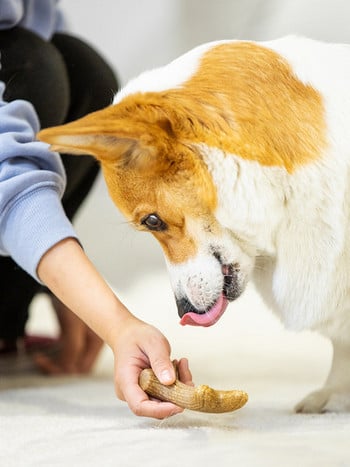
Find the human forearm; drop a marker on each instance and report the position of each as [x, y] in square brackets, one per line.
[69, 274]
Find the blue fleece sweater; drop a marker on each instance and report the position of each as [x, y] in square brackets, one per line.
[32, 179]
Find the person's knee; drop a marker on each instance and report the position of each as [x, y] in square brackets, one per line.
[93, 82]
[34, 70]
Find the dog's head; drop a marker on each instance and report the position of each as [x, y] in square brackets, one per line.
[156, 149]
[162, 186]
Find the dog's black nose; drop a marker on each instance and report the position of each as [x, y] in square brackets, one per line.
[184, 306]
[231, 289]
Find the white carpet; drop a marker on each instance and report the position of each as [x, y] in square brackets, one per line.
[79, 421]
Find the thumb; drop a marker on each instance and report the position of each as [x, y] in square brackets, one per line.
[159, 357]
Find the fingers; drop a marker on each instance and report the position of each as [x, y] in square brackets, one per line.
[184, 373]
[156, 409]
[128, 389]
[159, 357]
[142, 406]
[138, 401]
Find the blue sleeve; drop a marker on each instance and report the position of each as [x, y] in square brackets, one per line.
[43, 17]
[32, 182]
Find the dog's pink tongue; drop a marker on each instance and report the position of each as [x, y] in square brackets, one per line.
[208, 318]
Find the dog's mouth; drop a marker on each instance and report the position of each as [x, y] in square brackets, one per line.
[208, 317]
[190, 315]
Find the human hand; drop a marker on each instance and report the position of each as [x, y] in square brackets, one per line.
[139, 346]
[69, 274]
[79, 346]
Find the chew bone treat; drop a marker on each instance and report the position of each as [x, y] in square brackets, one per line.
[201, 398]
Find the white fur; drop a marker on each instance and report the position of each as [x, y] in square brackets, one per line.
[200, 279]
[294, 227]
[299, 224]
[167, 77]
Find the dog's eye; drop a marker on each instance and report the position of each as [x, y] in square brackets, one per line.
[154, 222]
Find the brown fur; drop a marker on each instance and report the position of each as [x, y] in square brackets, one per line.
[248, 102]
[243, 99]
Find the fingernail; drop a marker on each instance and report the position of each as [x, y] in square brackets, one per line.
[166, 376]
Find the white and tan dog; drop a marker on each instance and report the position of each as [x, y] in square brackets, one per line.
[236, 156]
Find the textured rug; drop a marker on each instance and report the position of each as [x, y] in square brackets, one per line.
[79, 422]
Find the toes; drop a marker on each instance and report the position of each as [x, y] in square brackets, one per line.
[314, 402]
[339, 402]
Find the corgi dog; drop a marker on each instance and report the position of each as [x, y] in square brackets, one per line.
[236, 157]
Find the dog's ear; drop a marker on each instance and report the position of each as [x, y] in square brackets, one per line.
[109, 137]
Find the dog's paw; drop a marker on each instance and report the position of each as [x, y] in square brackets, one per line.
[314, 402]
[325, 400]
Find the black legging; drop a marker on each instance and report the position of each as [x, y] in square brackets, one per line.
[64, 79]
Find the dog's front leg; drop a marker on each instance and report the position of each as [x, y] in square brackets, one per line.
[335, 395]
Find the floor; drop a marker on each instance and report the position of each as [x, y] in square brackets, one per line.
[79, 421]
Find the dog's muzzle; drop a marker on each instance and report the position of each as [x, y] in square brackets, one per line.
[189, 314]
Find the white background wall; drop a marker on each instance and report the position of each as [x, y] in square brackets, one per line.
[135, 35]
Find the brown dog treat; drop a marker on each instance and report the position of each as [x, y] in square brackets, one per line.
[201, 398]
